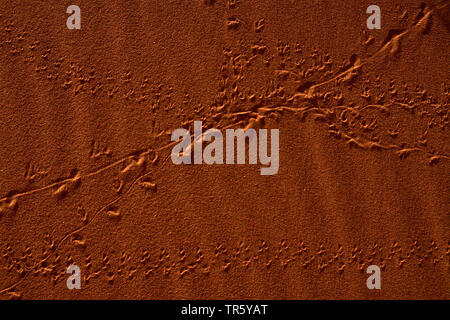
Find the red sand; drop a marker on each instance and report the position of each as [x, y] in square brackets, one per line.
[86, 176]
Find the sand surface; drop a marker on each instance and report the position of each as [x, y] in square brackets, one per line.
[86, 176]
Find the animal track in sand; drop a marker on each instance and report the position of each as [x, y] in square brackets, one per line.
[204, 261]
[303, 84]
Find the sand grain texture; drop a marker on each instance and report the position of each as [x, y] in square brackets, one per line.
[86, 176]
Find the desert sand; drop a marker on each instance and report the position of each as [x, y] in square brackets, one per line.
[86, 176]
